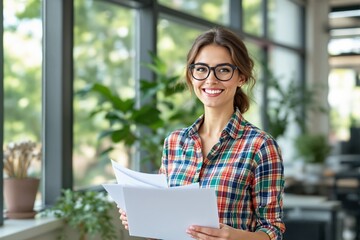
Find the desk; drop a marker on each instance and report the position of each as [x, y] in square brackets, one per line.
[299, 205]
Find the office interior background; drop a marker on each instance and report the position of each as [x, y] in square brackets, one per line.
[307, 55]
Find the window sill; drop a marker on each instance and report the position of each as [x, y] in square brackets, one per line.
[14, 229]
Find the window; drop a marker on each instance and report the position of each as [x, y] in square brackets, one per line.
[215, 11]
[285, 14]
[253, 114]
[104, 52]
[253, 17]
[344, 101]
[286, 68]
[22, 74]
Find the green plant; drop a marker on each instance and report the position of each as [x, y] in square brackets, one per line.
[88, 212]
[148, 124]
[313, 148]
[18, 157]
[288, 103]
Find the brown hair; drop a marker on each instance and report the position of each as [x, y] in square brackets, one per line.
[239, 55]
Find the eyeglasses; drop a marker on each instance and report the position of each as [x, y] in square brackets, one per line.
[222, 72]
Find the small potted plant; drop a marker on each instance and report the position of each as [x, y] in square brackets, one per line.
[313, 149]
[19, 187]
[87, 212]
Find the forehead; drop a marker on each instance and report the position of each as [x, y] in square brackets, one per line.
[213, 54]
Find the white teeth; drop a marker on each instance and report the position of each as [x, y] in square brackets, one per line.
[210, 91]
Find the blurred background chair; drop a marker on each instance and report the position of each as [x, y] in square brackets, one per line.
[300, 229]
[346, 188]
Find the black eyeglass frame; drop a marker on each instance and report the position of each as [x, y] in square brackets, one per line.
[192, 66]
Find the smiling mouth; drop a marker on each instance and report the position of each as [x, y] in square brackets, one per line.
[213, 91]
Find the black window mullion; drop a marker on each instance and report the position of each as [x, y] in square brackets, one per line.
[236, 15]
[264, 14]
[146, 35]
[57, 99]
[1, 113]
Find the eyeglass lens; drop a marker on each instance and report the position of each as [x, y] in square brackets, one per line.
[222, 72]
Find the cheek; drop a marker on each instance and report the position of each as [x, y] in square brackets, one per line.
[196, 84]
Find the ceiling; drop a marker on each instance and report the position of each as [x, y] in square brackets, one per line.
[344, 29]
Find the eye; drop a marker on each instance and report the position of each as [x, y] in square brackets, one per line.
[224, 69]
[200, 69]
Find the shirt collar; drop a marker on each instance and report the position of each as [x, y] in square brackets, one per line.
[234, 128]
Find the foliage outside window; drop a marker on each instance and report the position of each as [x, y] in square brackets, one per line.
[252, 17]
[215, 10]
[22, 74]
[104, 53]
[22, 70]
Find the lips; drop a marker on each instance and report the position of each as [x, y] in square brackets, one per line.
[213, 91]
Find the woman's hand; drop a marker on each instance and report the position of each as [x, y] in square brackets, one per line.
[124, 221]
[198, 232]
[123, 218]
[225, 232]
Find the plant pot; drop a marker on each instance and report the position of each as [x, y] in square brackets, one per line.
[19, 196]
[313, 172]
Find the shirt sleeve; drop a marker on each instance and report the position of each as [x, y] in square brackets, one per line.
[164, 158]
[268, 190]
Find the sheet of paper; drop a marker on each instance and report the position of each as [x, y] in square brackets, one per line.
[167, 213]
[129, 177]
[116, 193]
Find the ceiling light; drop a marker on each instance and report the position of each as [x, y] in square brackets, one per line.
[343, 14]
[345, 32]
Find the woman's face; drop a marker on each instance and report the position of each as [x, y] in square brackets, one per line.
[212, 92]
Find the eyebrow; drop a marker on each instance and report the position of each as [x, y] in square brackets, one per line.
[215, 65]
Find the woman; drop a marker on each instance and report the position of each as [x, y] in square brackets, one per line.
[222, 150]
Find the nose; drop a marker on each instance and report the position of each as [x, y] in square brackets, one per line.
[211, 78]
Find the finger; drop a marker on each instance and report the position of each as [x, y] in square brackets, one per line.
[122, 212]
[206, 231]
[123, 217]
[223, 226]
[196, 234]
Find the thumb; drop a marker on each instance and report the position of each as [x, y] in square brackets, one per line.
[223, 225]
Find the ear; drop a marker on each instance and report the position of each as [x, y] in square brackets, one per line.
[242, 80]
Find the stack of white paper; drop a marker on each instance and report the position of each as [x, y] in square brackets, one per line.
[156, 211]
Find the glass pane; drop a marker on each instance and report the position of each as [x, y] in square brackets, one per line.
[171, 47]
[284, 22]
[252, 17]
[215, 10]
[253, 114]
[173, 50]
[284, 76]
[22, 75]
[344, 101]
[103, 53]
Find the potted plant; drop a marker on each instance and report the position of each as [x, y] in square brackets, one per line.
[313, 149]
[19, 187]
[87, 212]
[287, 102]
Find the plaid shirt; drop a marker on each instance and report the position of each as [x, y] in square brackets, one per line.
[245, 168]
